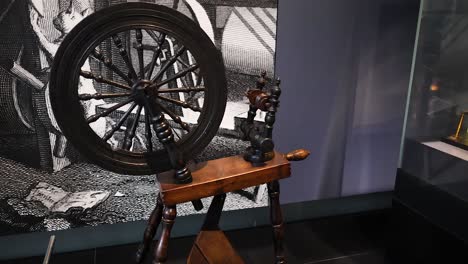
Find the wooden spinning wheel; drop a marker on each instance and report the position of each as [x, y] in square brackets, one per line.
[123, 69]
[139, 89]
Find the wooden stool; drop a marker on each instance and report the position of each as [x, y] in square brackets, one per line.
[216, 178]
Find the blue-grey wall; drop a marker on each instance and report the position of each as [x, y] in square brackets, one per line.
[345, 67]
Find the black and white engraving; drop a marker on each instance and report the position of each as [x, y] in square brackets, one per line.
[47, 184]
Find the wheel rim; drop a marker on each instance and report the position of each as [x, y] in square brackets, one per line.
[96, 32]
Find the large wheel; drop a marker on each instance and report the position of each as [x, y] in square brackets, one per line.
[119, 61]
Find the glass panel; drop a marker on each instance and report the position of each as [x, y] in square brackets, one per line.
[436, 131]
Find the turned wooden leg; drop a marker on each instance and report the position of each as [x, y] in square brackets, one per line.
[150, 231]
[168, 219]
[277, 221]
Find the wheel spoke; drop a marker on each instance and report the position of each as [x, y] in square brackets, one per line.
[100, 79]
[109, 110]
[199, 80]
[175, 118]
[181, 103]
[98, 96]
[153, 35]
[119, 124]
[176, 76]
[181, 90]
[139, 38]
[176, 133]
[186, 65]
[108, 63]
[184, 81]
[182, 62]
[169, 63]
[145, 47]
[149, 134]
[124, 54]
[128, 140]
[156, 53]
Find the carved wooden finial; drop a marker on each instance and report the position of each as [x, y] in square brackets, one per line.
[297, 155]
[276, 90]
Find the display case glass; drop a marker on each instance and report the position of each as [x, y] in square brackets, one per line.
[434, 154]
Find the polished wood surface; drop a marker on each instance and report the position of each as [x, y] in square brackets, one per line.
[213, 247]
[150, 231]
[196, 256]
[297, 155]
[221, 176]
[168, 218]
[216, 178]
[276, 218]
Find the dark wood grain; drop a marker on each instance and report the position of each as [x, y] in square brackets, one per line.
[196, 256]
[221, 176]
[150, 232]
[276, 217]
[216, 178]
[213, 247]
[214, 213]
[169, 216]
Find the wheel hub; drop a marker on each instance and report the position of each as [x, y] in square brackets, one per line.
[141, 90]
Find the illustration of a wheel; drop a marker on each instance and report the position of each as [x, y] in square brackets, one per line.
[122, 61]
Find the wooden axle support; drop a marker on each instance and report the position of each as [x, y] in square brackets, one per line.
[216, 178]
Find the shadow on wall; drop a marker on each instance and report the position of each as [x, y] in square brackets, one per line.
[336, 74]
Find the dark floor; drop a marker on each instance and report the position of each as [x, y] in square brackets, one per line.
[349, 239]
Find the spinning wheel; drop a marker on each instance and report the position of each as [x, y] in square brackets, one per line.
[124, 68]
[139, 89]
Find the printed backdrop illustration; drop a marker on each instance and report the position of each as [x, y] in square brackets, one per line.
[46, 185]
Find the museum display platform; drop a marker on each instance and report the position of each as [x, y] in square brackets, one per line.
[427, 223]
